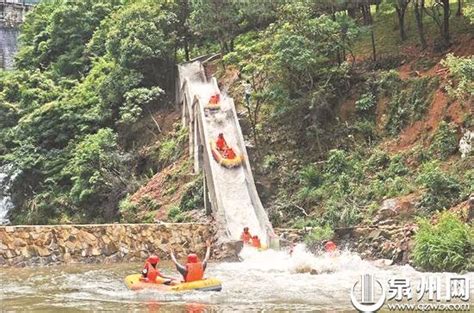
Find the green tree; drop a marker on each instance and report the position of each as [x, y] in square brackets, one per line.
[59, 43]
[217, 19]
[401, 8]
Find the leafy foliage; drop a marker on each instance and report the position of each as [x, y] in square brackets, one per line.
[319, 234]
[410, 103]
[445, 246]
[445, 141]
[85, 69]
[442, 190]
[462, 73]
[192, 198]
[366, 102]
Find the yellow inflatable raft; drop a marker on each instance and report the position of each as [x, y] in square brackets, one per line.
[212, 106]
[133, 282]
[229, 163]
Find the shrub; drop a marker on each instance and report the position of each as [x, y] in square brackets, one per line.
[173, 146]
[149, 203]
[389, 82]
[318, 234]
[337, 162]
[367, 129]
[301, 223]
[310, 176]
[309, 195]
[442, 190]
[270, 162]
[365, 103]
[128, 210]
[445, 140]
[410, 103]
[378, 160]
[176, 215]
[396, 168]
[340, 213]
[444, 246]
[193, 197]
[462, 71]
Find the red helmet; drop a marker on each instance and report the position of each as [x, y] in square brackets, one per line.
[192, 258]
[153, 259]
[330, 246]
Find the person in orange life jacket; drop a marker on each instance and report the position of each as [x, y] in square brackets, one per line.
[221, 143]
[246, 237]
[256, 242]
[215, 99]
[194, 268]
[229, 153]
[150, 271]
[329, 246]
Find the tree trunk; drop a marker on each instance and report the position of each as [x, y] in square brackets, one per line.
[446, 14]
[186, 48]
[365, 8]
[459, 12]
[419, 5]
[372, 37]
[351, 12]
[401, 22]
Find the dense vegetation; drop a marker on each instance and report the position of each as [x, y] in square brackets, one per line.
[88, 72]
[78, 115]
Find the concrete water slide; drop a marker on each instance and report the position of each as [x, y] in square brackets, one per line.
[231, 193]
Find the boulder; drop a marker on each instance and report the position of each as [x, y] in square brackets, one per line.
[95, 252]
[44, 252]
[18, 243]
[387, 210]
[229, 251]
[109, 249]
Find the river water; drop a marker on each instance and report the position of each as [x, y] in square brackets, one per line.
[267, 281]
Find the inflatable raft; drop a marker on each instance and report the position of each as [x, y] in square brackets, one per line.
[229, 163]
[212, 106]
[133, 282]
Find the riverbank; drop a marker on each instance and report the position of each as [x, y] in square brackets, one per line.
[106, 243]
[32, 245]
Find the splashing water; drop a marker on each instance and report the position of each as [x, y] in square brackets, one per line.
[267, 280]
[6, 177]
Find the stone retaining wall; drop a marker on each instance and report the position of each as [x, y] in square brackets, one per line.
[54, 244]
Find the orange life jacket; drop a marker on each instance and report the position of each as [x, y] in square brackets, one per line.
[330, 246]
[256, 243]
[194, 271]
[230, 154]
[214, 99]
[152, 272]
[246, 237]
[221, 144]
